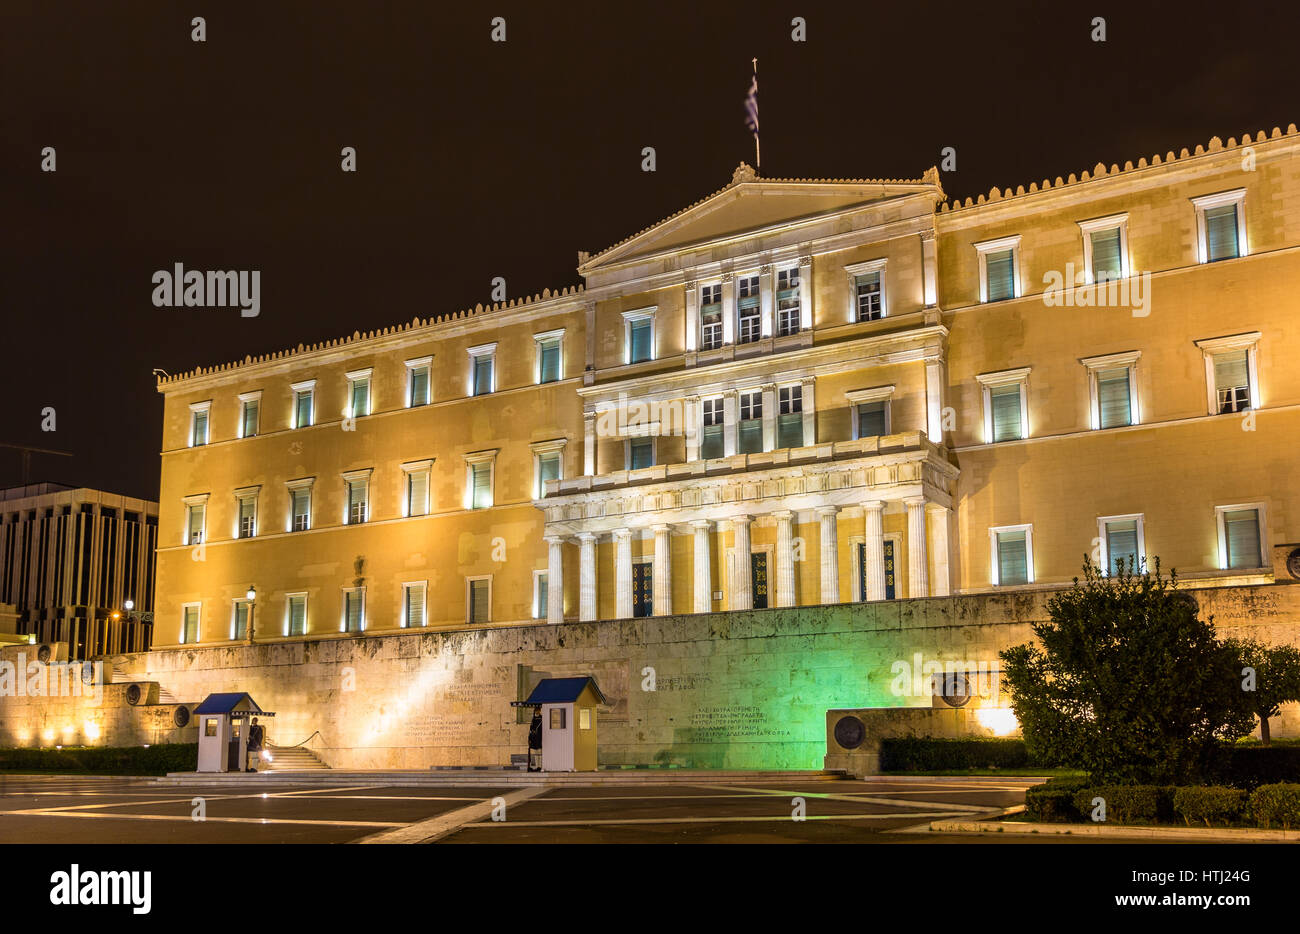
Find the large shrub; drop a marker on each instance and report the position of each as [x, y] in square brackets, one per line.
[1251, 765]
[1275, 806]
[929, 754]
[1053, 801]
[113, 760]
[1270, 677]
[1127, 804]
[1209, 804]
[1127, 682]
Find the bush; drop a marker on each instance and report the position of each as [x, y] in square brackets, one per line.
[926, 754]
[1278, 804]
[1209, 804]
[1053, 801]
[113, 760]
[1128, 804]
[1251, 765]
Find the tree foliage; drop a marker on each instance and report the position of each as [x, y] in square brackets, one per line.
[1269, 677]
[1127, 682]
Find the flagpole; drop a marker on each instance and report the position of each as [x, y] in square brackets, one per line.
[758, 153]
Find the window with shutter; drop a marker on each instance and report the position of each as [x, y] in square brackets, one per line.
[1232, 381]
[301, 520]
[873, 419]
[250, 417]
[357, 496]
[1107, 262]
[641, 453]
[296, 613]
[247, 516]
[712, 444]
[748, 311]
[1122, 546]
[1013, 559]
[788, 309]
[1113, 398]
[302, 410]
[750, 434]
[789, 429]
[548, 468]
[641, 336]
[354, 610]
[479, 599]
[419, 385]
[190, 625]
[196, 524]
[481, 477]
[550, 360]
[1005, 404]
[711, 317]
[417, 492]
[1241, 536]
[414, 610]
[239, 627]
[483, 365]
[199, 429]
[539, 598]
[1000, 274]
[1221, 233]
[360, 397]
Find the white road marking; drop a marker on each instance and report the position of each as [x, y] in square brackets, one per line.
[892, 802]
[765, 818]
[426, 831]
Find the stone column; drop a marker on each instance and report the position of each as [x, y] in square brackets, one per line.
[805, 293]
[784, 558]
[874, 552]
[918, 570]
[730, 404]
[809, 412]
[587, 577]
[728, 308]
[694, 418]
[703, 602]
[742, 591]
[769, 417]
[589, 443]
[663, 571]
[555, 579]
[934, 386]
[692, 315]
[623, 573]
[929, 269]
[938, 515]
[766, 301]
[830, 554]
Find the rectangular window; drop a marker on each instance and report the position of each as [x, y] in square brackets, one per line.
[483, 373]
[1122, 546]
[750, 436]
[1000, 272]
[248, 422]
[354, 609]
[190, 623]
[295, 614]
[1005, 411]
[1114, 399]
[1241, 538]
[1013, 557]
[357, 492]
[239, 622]
[641, 453]
[247, 516]
[711, 444]
[548, 468]
[1232, 381]
[788, 311]
[480, 600]
[358, 396]
[789, 427]
[303, 407]
[417, 492]
[300, 509]
[711, 317]
[540, 594]
[557, 718]
[413, 611]
[418, 381]
[1107, 254]
[194, 523]
[867, 288]
[747, 290]
[1221, 240]
[199, 427]
[481, 485]
[549, 360]
[640, 339]
[873, 419]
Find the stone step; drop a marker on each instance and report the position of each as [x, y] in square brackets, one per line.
[500, 776]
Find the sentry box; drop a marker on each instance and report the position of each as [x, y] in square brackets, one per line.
[223, 731]
[568, 707]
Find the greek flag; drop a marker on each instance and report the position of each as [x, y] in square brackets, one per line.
[751, 106]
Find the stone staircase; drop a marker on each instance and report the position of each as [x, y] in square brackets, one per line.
[120, 675]
[293, 759]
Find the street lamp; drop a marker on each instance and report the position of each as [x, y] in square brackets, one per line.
[252, 598]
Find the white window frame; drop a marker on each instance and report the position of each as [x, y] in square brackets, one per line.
[1098, 225]
[1095, 365]
[288, 611]
[353, 377]
[540, 449]
[416, 467]
[244, 399]
[407, 586]
[1265, 551]
[990, 381]
[538, 340]
[198, 628]
[1137, 517]
[995, 568]
[348, 477]
[641, 314]
[481, 457]
[986, 247]
[307, 386]
[411, 366]
[247, 493]
[735, 313]
[482, 350]
[805, 322]
[308, 484]
[862, 269]
[201, 500]
[722, 314]
[204, 409]
[538, 574]
[469, 607]
[1247, 341]
[648, 430]
[1236, 196]
[858, 397]
[343, 610]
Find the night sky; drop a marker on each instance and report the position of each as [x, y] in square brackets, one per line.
[479, 159]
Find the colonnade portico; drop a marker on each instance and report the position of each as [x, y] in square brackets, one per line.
[845, 512]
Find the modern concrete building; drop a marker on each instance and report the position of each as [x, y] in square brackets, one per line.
[78, 567]
[792, 392]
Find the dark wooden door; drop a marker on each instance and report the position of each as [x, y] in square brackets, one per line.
[758, 579]
[643, 589]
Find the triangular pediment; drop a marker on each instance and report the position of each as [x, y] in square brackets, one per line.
[750, 205]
